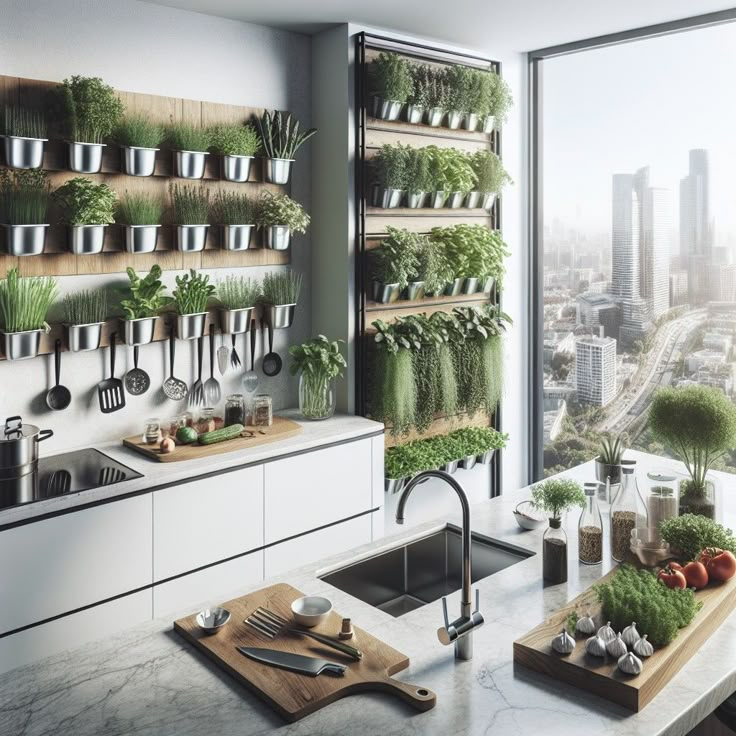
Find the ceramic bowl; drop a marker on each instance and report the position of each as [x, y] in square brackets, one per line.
[527, 517]
[211, 620]
[311, 610]
[649, 547]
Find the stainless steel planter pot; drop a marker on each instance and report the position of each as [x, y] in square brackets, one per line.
[278, 237]
[415, 290]
[386, 109]
[24, 153]
[85, 158]
[468, 463]
[237, 237]
[24, 240]
[21, 345]
[190, 326]
[455, 200]
[416, 200]
[279, 316]
[487, 287]
[19, 448]
[472, 200]
[81, 338]
[191, 238]
[434, 116]
[389, 199]
[486, 457]
[604, 471]
[236, 168]
[235, 321]
[393, 485]
[488, 200]
[141, 238]
[385, 293]
[190, 164]
[86, 240]
[414, 113]
[454, 287]
[489, 123]
[139, 331]
[139, 161]
[470, 121]
[437, 199]
[470, 285]
[277, 170]
[450, 467]
[454, 119]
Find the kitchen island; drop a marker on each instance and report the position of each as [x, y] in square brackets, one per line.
[147, 681]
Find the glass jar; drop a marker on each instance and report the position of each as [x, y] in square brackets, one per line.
[206, 420]
[262, 410]
[698, 500]
[627, 512]
[152, 431]
[316, 396]
[554, 553]
[662, 499]
[590, 528]
[234, 410]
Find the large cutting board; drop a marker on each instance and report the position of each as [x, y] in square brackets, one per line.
[601, 676]
[291, 694]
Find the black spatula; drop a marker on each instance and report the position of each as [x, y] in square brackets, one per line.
[110, 391]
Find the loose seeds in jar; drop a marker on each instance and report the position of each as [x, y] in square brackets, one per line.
[262, 411]
[622, 522]
[590, 545]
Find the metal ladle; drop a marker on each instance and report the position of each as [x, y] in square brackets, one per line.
[272, 362]
[58, 397]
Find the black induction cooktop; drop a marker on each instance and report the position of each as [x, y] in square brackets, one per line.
[59, 475]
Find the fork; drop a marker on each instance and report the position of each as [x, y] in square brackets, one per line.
[212, 390]
[234, 357]
[196, 393]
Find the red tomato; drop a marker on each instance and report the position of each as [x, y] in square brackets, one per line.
[672, 578]
[676, 566]
[696, 575]
[720, 565]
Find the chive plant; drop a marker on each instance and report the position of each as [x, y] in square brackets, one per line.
[23, 122]
[139, 209]
[25, 195]
[85, 307]
[25, 301]
[233, 208]
[238, 292]
[190, 204]
[282, 287]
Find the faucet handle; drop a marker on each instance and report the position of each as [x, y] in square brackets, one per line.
[444, 612]
[477, 600]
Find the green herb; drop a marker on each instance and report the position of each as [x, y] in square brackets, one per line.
[192, 293]
[24, 197]
[390, 166]
[571, 622]
[451, 170]
[140, 209]
[612, 450]
[391, 77]
[491, 175]
[188, 137]
[24, 122]
[282, 287]
[238, 292]
[233, 208]
[138, 131]
[458, 79]
[473, 251]
[319, 361]
[235, 140]
[396, 260]
[479, 91]
[500, 98]
[145, 294]
[92, 109]
[85, 203]
[85, 307]
[690, 534]
[25, 301]
[280, 209]
[190, 204]
[557, 495]
[429, 88]
[418, 171]
[280, 135]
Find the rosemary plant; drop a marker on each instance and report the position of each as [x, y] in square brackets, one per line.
[238, 292]
[233, 208]
[24, 122]
[85, 307]
[282, 287]
[192, 293]
[25, 301]
[25, 195]
[190, 204]
[280, 135]
[140, 209]
[138, 131]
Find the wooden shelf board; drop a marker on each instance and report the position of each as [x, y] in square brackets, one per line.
[426, 131]
[416, 305]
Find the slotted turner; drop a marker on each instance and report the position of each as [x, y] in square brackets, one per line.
[111, 392]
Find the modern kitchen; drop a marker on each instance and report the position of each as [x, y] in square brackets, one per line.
[318, 415]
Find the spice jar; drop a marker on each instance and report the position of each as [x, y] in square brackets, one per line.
[590, 528]
[152, 431]
[206, 421]
[554, 552]
[662, 499]
[262, 410]
[234, 410]
[627, 512]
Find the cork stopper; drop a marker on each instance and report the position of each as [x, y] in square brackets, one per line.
[346, 631]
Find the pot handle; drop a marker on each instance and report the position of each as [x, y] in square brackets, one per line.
[44, 434]
[13, 425]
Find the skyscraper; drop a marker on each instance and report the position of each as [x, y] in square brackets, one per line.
[595, 370]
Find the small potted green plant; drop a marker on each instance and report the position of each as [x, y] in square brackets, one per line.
[191, 297]
[190, 211]
[189, 144]
[238, 296]
[87, 208]
[491, 178]
[452, 174]
[280, 139]
[433, 272]
[237, 144]
[431, 89]
[24, 305]
[478, 98]
[140, 215]
[458, 79]
[24, 203]
[91, 112]
[25, 133]
[391, 82]
[393, 264]
[608, 461]
[84, 314]
[418, 100]
[318, 363]
[390, 168]
[139, 139]
[142, 304]
[280, 296]
[237, 213]
[499, 103]
[418, 177]
[281, 216]
[698, 424]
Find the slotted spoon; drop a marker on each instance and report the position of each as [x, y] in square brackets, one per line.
[174, 388]
[137, 381]
[223, 355]
[212, 390]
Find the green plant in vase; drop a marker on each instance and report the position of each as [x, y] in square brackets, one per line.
[138, 131]
[24, 197]
[92, 109]
[25, 301]
[83, 202]
[318, 363]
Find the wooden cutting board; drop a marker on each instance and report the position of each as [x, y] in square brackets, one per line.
[252, 437]
[291, 694]
[601, 676]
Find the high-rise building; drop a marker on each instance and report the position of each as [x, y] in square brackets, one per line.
[595, 370]
[654, 251]
[625, 238]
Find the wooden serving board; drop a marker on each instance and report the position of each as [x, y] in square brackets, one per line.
[601, 676]
[279, 430]
[291, 694]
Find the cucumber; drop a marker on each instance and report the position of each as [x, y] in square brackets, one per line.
[220, 435]
[186, 435]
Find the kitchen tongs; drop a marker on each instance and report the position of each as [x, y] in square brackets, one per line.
[271, 625]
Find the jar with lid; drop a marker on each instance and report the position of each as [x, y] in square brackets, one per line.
[590, 528]
[206, 420]
[628, 512]
[152, 431]
[262, 410]
[662, 499]
[554, 552]
[234, 410]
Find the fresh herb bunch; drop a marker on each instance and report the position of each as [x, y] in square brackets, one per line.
[556, 495]
[418, 171]
[138, 131]
[458, 79]
[25, 301]
[234, 208]
[280, 209]
[24, 122]
[448, 383]
[282, 287]
[145, 295]
[85, 203]
[434, 267]
[190, 204]
[188, 137]
[193, 292]
[396, 260]
[139, 209]
[391, 166]
[690, 534]
[612, 449]
[235, 140]
[391, 77]
[480, 90]
[92, 109]
[280, 135]
[473, 251]
[637, 595]
[86, 307]
[451, 170]
[429, 88]
[238, 292]
[25, 195]
[319, 361]
[501, 99]
[490, 173]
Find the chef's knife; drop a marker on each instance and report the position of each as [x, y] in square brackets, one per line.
[311, 666]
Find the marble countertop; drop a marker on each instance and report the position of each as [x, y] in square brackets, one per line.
[339, 428]
[148, 682]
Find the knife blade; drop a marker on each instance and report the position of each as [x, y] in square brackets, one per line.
[311, 666]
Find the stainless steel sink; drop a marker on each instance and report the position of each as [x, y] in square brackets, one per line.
[405, 578]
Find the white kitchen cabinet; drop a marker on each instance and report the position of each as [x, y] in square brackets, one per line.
[207, 520]
[57, 565]
[317, 488]
[316, 545]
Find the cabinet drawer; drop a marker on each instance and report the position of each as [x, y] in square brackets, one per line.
[208, 520]
[308, 491]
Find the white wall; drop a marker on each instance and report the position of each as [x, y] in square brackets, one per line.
[150, 49]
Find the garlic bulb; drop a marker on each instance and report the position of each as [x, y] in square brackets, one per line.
[643, 648]
[595, 646]
[630, 635]
[585, 625]
[563, 643]
[630, 664]
[606, 632]
[616, 647]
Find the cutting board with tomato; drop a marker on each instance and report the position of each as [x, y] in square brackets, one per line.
[601, 676]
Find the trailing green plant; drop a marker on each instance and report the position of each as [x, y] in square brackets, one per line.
[418, 171]
[473, 251]
[190, 204]
[238, 292]
[83, 202]
[280, 135]
[391, 166]
[138, 131]
[319, 361]
[235, 140]
[282, 287]
[429, 88]
[459, 80]
[451, 170]
[234, 208]
[396, 260]
[25, 301]
[556, 495]
[449, 398]
[489, 171]
[391, 77]
[500, 98]
[193, 292]
[188, 137]
[690, 534]
[612, 449]
[145, 296]
[92, 109]
[25, 195]
[139, 208]
[433, 268]
[24, 122]
[280, 209]
[86, 307]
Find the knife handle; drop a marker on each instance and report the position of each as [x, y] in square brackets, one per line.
[337, 669]
[327, 641]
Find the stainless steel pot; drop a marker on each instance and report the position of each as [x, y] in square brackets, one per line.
[21, 345]
[138, 161]
[604, 471]
[25, 240]
[237, 237]
[416, 200]
[414, 113]
[472, 200]
[455, 200]
[454, 119]
[81, 338]
[190, 326]
[389, 199]
[415, 290]
[24, 153]
[85, 158]
[279, 316]
[385, 293]
[19, 447]
[278, 237]
[277, 170]
[437, 199]
[470, 285]
[236, 168]
[190, 164]
[139, 331]
[455, 287]
[488, 200]
[191, 238]
[141, 238]
[470, 121]
[489, 123]
[468, 463]
[434, 116]
[386, 109]
[236, 321]
[85, 240]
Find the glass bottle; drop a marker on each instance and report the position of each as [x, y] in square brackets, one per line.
[662, 500]
[554, 553]
[590, 528]
[628, 512]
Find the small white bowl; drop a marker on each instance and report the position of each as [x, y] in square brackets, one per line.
[527, 517]
[311, 610]
[211, 620]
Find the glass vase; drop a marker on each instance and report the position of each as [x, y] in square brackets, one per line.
[316, 396]
[700, 501]
[554, 553]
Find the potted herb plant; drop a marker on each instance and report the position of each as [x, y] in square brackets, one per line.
[393, 263]
[190, 211]
[25, 134]
[281, 216]
[608, 461]
[140, 215]
[499, 104]
[238, 296]
[87, 208]
[698, 424]
[139, 139]
[280, 139]
[280, 296]
[458, 79]
[452, 174]
[391, 79]
[390, 167]
[434, 271]
[24, 203]
[318, 363]
[191, 297]
[431, 88]
[418, 177]
[84, 314]
[142, 304]
[491, 178]
[478, 98]
[189, 144]
[24, 304]
[91, 112]
[237, 144]
[418, 100]
[237, 213]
